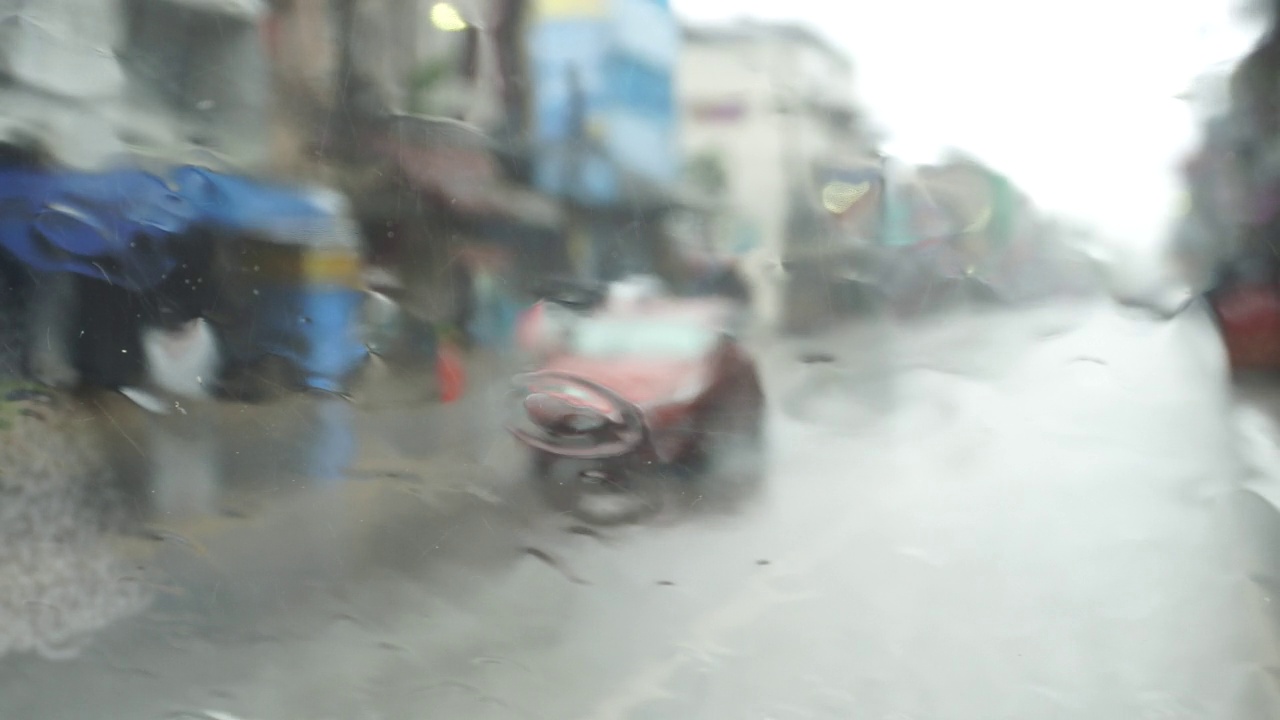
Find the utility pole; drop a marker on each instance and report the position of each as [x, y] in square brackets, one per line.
[344, 13]
[571, 179]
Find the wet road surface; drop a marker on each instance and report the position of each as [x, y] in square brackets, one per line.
[1048, 513]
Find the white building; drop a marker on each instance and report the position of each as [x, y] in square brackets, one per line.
[770, 102]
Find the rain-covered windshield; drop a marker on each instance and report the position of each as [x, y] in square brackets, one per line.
[352, 360]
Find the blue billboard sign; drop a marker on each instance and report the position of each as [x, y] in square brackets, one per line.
[604, 105]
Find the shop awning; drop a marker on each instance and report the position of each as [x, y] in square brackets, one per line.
[467, 181]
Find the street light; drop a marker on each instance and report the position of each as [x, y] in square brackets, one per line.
[447, 18]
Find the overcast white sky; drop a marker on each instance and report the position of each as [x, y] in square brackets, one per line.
[1074, 99]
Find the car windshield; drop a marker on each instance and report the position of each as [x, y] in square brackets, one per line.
[628, 338]
[639, 360]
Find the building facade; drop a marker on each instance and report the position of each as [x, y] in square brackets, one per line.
[772, 105]
[418, 110]
[604, 124]
[92, 84]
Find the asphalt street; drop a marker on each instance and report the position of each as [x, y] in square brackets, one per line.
[1054, 512]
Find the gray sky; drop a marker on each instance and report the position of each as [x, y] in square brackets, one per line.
[1075, 100]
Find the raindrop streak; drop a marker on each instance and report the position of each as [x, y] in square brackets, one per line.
[489, 660]
[160, 534]
[201, 715]
[814, 358]
[584, 531]
[556, 565]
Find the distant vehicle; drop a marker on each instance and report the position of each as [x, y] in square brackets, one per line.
[654, 382]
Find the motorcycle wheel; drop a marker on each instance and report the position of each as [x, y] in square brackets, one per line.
[731, 446]
[597, 492]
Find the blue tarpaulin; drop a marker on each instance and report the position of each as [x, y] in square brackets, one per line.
[118, 225]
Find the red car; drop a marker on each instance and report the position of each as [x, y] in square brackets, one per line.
[658, 381]
[1249, 318]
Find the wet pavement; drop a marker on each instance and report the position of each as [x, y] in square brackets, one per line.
[1057, 512]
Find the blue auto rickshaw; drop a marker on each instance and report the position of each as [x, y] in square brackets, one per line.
[297, 258]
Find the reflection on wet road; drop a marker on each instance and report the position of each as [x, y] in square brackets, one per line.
[1022, 514]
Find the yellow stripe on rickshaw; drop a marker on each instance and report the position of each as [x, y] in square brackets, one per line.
[304, 266]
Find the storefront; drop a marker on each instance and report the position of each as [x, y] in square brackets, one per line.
[464, 241]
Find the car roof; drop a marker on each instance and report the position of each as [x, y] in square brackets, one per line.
[711, 312]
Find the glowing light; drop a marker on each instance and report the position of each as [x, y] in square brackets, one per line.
[838, 197]
[447, 18]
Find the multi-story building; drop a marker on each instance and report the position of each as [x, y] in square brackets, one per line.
[605, 126]
[773, 106]
[96, 84]
[430, 97]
